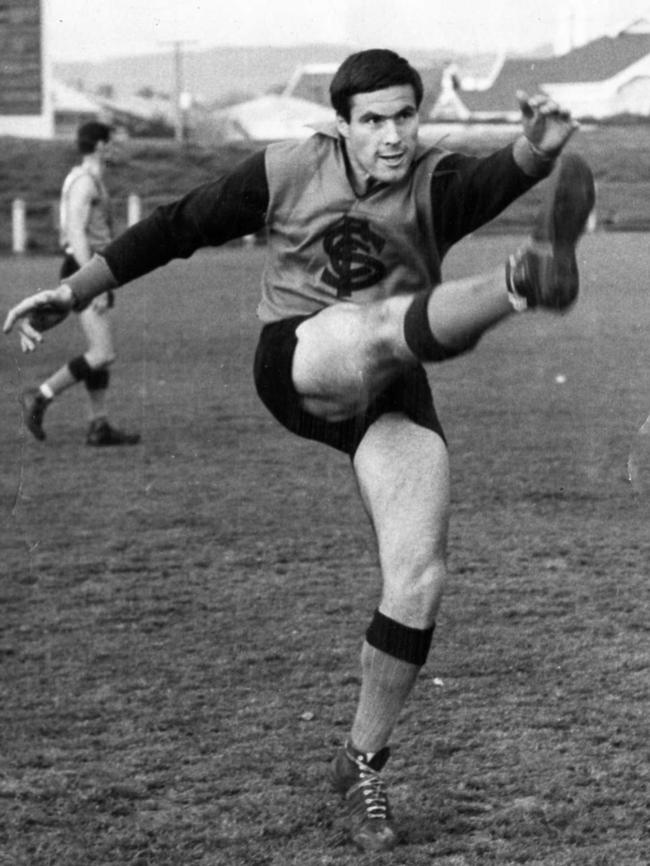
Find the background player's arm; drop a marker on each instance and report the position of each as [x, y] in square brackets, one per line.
[78, 207]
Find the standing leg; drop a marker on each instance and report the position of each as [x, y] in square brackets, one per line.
[91, 368]
[96, 325]
[403, 475]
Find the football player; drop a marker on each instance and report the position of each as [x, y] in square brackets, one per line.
[85, 229]
[359, 218]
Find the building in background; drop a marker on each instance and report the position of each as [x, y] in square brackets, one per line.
[604, 78]
[25, 104]
[272, 117]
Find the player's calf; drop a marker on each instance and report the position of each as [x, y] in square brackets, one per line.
[34, 404]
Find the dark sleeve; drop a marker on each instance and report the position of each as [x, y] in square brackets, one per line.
[467, 192]
[211, 214]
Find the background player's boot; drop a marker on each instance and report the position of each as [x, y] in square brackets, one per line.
[357, 777]
[544, 273]
[34, 405]
[100, 432]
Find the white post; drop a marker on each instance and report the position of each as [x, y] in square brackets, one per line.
[19, 226]
[592, 222]
[134, 209]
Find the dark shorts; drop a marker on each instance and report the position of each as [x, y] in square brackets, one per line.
[70, 266]
[410, 394]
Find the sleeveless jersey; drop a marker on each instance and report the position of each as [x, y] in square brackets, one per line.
[99, 229]
[326, 244]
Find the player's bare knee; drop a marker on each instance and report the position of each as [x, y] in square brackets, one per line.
[386, 324]
[415, 598]
[389, 328]
[101, 360]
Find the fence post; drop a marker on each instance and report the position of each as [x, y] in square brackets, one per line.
[134, 209]
[18, 226]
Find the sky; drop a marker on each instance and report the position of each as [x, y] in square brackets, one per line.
[98, 29]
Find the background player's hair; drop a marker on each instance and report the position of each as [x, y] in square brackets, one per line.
[371, 70]
[90, 133]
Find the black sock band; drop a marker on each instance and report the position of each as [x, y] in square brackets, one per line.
[400, 641]
[420, 338]
[80, 368]
[94, 379]
[417, 333]
[97, 380]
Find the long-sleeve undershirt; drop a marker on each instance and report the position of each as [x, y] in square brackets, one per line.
[466, 193]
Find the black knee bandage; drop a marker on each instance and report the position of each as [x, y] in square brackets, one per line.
[80, 368]
[400, 641]
[97, 380]
[420, 338]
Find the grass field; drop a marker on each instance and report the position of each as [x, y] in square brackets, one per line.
[181, 621]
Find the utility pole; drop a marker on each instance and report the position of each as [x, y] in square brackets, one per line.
[178, 88]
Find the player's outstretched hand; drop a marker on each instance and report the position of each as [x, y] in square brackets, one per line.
[546, 124]
[38, 313]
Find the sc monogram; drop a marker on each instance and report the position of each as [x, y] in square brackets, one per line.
[352, 246]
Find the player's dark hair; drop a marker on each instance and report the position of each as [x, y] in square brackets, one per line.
[371, 70]
[90, 133]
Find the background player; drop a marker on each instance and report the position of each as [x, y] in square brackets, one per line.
[86, 228]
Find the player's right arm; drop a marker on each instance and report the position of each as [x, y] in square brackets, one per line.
[212, 214]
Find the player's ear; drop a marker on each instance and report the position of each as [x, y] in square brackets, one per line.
[342, 126]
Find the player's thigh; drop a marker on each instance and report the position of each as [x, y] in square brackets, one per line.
[347, 353]
[403, 474]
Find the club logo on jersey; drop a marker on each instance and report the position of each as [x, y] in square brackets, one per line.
[352, 246]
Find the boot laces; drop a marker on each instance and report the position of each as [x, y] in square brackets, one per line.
[373, 799]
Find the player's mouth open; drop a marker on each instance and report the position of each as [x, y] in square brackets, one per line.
[392, 159]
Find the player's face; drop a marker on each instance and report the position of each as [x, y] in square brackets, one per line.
[106, 151]
[381, 135]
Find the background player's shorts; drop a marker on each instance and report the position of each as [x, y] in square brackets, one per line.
[70, 266]
[410, 394]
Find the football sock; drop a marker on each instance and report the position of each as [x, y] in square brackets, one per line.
[421, 340]
[385, 685]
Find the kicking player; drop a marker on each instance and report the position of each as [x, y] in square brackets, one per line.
[86, 228]
[358, 218]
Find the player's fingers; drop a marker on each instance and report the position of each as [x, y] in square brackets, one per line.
[30, 333]
[552, 109]
[525, 103]
[29, 337]
[26, 344]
